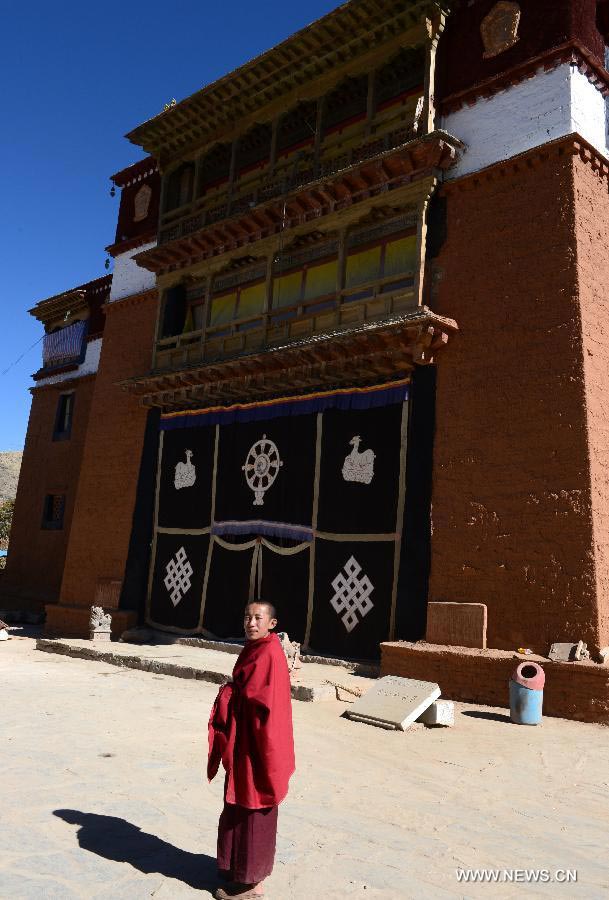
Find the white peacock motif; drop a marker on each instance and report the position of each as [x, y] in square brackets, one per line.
[262, 467]
[359, 466]
[185, 473]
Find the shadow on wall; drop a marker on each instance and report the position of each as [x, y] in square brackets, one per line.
[116, 839]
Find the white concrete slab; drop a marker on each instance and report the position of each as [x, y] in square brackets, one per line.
[394, 702]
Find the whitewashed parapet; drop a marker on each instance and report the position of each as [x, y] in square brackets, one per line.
[128, 278]
[548, 106]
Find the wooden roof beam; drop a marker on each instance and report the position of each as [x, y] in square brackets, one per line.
[201, 243]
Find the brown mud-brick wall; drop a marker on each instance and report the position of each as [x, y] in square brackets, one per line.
[572, 691]
[592, 216]
[106, 495]
[36, 556]
[513, 513]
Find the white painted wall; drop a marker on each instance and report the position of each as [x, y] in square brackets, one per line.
[129, 278]
[588, 112]
[541, 109]
[89, 365]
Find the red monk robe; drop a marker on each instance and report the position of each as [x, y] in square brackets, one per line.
[250, 731]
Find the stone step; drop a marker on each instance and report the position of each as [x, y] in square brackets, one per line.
[203, 664]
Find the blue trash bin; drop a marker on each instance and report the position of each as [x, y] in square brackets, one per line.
[526, 694]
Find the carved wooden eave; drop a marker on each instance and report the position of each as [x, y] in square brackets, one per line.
[72, 301]
[385, 349]
[343, 43]
[139, 171]
[374, 180]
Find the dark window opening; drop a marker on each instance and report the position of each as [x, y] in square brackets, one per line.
[253, 148]
[297, 127]
[402, 74]
[53, 511]
[174, 313]
[347, 102]
[215, 167]
[64, 417]
[179, 187]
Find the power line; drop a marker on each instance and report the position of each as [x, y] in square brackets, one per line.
[25, 353]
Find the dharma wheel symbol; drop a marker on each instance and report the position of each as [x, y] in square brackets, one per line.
[262, 467]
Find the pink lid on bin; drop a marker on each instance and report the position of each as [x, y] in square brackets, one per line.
[530, 676]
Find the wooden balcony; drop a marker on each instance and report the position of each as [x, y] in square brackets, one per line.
[287, 324]
[263, 185]
[399, 167]
[354, 353]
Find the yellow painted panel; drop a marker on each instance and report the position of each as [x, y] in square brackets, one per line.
[286, 290]
[321, 280]
[363, 266]
[251, 300]
[223, 309]
[189, 321]
[400, 255]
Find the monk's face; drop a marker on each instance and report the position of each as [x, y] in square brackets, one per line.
[257, 621]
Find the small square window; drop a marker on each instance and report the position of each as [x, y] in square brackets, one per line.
[63, 417]
[52, 513]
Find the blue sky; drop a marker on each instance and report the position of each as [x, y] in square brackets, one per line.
[76, 77]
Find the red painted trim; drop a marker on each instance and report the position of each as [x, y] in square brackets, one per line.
[214, 184]
[123, 246]
[345, 124]
[259, 165]
[393, 101]
[308, 142]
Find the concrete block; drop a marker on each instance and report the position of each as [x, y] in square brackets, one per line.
[569, 652]
[442, 712]
[456, 624]
[394, 702]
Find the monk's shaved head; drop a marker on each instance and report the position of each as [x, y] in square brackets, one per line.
[268, 606]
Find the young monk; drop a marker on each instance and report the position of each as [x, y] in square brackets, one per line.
[250, 731]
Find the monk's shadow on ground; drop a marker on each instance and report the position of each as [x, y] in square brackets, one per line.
[119, 840]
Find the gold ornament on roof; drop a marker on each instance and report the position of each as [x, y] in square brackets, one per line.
[499, 29]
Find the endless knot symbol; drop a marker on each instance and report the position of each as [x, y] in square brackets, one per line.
[352, 594]
[177, 579]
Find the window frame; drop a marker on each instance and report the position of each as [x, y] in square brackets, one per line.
[367, 290]
[48, 522]
[66, 433]
[303, 268]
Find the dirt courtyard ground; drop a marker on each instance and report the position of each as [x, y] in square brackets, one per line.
[103, 795]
